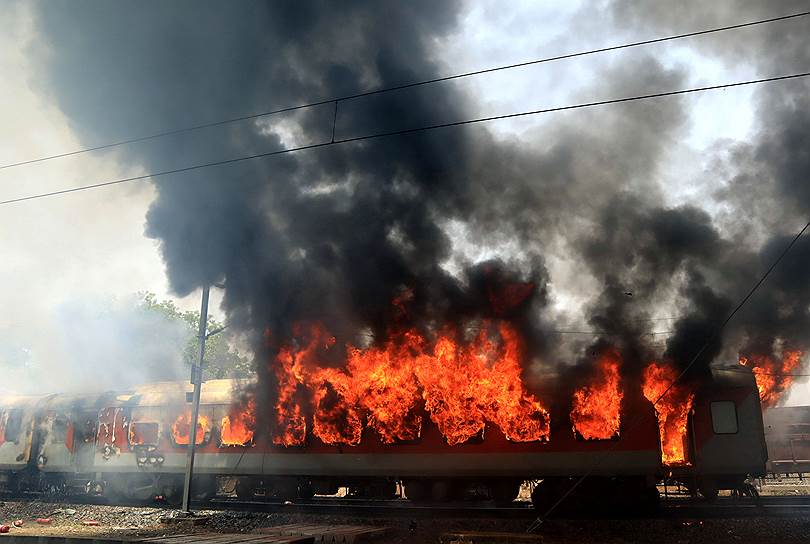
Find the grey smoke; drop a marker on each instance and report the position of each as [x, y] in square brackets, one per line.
[335, 234]
[96, 344]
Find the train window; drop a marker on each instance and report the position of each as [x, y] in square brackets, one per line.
[13, 425]
[144, 433]
[724, 417]
[59, 430]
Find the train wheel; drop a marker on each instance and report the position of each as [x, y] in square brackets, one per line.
[709, 489]
[172, 491]
[305, 490]
[503, 492]
[547, 492]
[282, 488]
[633, 495]
[325, 487]
[245, 488]
[141, 487]
[416, 490]
[441, 490]
[204, 488]
[651, 499]
[383, 489]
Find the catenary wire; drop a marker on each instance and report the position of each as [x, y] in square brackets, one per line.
[362, 94]
[777, 374]
[403, 132]
[541, 519]
[596, 332]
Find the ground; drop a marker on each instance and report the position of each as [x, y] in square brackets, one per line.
[134, 522]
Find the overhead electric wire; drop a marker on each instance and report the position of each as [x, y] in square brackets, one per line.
[598, 332]
[362, 94]
[539, 521]
[777, 374]
[403, 132]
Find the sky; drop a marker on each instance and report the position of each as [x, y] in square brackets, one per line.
[66, 263]
[68, 260]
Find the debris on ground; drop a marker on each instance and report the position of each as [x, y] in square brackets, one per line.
[132, 523]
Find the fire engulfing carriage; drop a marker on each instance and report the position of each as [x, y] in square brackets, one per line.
[133, 444]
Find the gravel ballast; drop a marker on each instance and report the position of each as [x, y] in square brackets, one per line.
[135, 522]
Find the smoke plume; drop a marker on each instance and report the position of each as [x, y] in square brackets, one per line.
[335, 235]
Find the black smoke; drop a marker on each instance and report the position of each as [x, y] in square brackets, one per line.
[337, 234]
[762, 188]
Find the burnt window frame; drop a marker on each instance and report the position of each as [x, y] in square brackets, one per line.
[14, 415]
[736, 416]
[144, 422]
[212, 434]
[59, 435]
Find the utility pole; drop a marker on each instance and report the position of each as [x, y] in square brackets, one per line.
[196, 379]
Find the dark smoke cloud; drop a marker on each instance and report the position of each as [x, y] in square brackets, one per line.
[765, 188]
[337, 234]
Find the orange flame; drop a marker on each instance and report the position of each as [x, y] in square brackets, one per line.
[337, 417]
[596, 406]
[290, 425]
[385, 388]
[181, 428]
[463, 386]
[772, 376]
[672, 410]
[238, 426]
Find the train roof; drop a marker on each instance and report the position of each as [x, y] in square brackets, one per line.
[222, 391]
[786, 415]
[733, 375]
[23, 401]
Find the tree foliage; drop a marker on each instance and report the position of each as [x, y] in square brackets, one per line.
[222, 359]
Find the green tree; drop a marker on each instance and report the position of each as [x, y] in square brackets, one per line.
[222, 359]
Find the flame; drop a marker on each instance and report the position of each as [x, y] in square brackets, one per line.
[672, 410]
[238, 426]
[385, 388]
[290, 425]
[463, 386]
[181, 428]
[337, 417]
[772, 376]
[596, 406]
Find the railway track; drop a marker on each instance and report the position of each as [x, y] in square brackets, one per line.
[673, 508]
[381, 508]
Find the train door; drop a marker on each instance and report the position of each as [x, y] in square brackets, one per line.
[84, 440]
[728, 438]
[55, 451]
[14, 439]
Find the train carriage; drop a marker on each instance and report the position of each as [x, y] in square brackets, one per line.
[133, 444]
[18, 417]
[725, 434]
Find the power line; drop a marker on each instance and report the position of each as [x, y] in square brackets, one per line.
[566, 56]
[403, 132]
[541, 519]
[598, 332]
[756, 370]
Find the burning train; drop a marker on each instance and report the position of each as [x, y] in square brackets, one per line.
[445, 420]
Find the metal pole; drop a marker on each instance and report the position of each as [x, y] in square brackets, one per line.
[196, 376]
